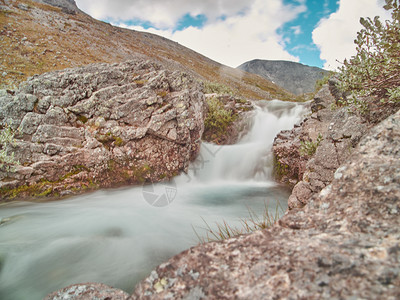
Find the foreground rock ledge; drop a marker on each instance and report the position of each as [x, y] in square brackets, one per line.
[99, 126]
[345, 243]
[86, 291]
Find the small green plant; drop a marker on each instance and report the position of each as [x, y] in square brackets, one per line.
[375, 69]
[83, 119]
[162, 94]
[308, 148]
[250, 224]
[118, 141]
[7, 159]
[218, 118]
[140, 82]
[280, 169]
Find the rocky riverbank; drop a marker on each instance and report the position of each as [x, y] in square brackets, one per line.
[307, 156]
[344, 243]
[341, 242]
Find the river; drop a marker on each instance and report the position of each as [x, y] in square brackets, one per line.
[118, 236]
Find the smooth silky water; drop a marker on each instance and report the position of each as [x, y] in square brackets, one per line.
[118, 236]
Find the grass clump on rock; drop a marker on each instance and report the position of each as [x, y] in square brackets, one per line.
[218, 118]
[252, 223]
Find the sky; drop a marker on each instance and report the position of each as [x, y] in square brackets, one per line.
[313, 32]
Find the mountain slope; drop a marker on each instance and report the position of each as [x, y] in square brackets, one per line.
[294, 77]
[38, 37]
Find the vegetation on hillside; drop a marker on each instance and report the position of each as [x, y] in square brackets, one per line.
[42, 39]
[375, 70]
[217, 88]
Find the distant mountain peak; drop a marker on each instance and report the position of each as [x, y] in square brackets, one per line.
[292, 76]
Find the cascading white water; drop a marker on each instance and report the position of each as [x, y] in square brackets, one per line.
[116, 237]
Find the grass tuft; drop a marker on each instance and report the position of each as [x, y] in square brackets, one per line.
[250, 224]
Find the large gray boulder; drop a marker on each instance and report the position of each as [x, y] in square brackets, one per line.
[344, 244]
[101, 125]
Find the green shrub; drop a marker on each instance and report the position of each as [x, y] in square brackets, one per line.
[218, 118]
[375, 69]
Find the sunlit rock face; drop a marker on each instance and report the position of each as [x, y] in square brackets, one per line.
[100, 126]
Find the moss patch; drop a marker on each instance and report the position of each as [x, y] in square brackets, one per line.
[45, 188]
[280, 170]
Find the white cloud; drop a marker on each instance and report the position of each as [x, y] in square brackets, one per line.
[335, 35]
[160, 13]
[239, 37]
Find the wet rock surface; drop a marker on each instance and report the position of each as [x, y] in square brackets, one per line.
[344, 244]
[99, 126]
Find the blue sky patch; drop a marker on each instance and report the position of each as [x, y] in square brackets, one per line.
[133, 22]
[189, 20]
[297, 34]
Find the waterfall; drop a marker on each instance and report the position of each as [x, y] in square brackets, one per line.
[250, 159]
[118, 236]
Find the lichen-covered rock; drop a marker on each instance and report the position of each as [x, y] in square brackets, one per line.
[88, 291]
[100, 126]
[344, 244]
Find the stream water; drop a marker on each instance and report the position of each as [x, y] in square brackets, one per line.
[118, 236]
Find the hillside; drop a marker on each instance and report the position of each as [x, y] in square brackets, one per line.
[294, 77]
[36, 37]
